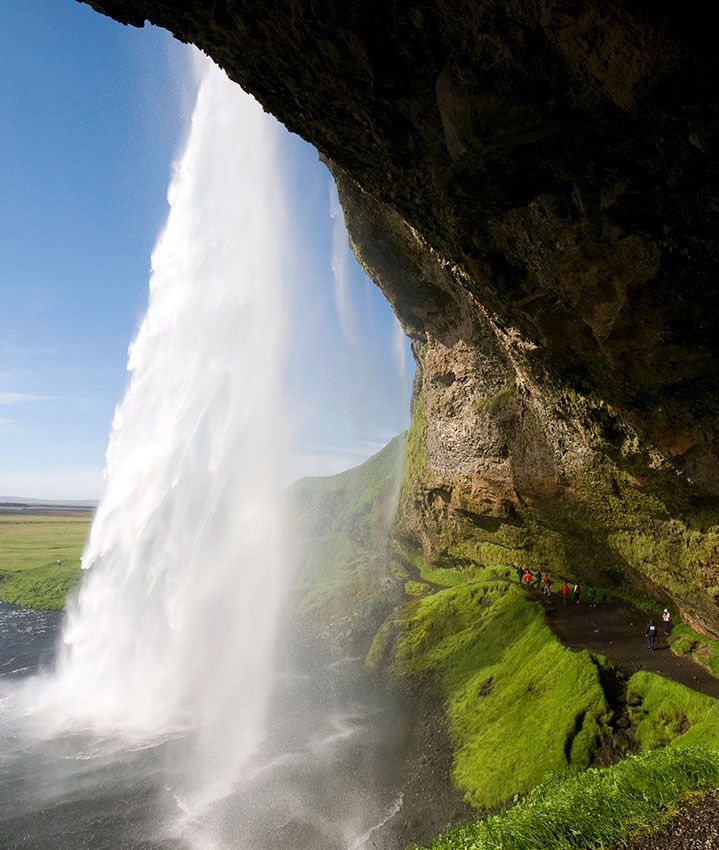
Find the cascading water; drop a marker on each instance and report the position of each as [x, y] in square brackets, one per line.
[170, 715]
[184, 555]
[174, 622]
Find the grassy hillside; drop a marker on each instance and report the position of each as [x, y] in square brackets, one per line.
[29, 548]
[341, 536]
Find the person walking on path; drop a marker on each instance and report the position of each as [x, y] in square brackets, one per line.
[545, 581]
[667, 620]
[565, 591]
[520, 574]
[539, 581]
[651, 634]
[527, 578]
[577, 592]
[591, 596]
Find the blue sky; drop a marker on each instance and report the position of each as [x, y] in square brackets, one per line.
[95, 114]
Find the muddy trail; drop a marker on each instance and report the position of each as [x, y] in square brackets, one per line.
[616, 629]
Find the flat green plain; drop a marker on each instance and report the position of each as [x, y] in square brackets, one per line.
[30, 545]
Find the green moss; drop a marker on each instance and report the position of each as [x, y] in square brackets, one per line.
[415, 588]
[519, 705]
[342, 532]
[665, 712]
[415, 455]
[447, 577]
[495, 402]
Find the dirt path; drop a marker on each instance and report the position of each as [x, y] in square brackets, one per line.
[616, 629]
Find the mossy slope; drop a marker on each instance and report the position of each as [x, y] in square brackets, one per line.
[519, 705]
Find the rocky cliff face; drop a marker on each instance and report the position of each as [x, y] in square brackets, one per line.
[532, 183]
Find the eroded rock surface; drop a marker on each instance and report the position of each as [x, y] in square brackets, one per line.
[533, 185]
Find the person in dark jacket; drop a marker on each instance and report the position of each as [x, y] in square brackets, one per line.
[651, 634]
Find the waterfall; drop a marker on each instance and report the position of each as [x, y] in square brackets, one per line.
[168, 695]
[175, 618]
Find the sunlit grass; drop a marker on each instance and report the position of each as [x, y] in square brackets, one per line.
[596, 808]
[29, 549]
[519, 706]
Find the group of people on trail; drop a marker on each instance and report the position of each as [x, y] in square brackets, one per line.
[542, 582]
[526, 577]
[577, 593]
[651, 632]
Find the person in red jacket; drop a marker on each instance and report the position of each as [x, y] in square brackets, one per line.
[565, 591]
[527, 578]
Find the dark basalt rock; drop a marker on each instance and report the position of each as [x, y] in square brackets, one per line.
[533, 184]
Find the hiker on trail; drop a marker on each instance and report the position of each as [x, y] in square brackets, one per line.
[545, 580]
[577, 592]
[565, 591]
[539, 580]
[651, 634]
[527, 578]
[667, 620]
[591, 596]
[520, 574]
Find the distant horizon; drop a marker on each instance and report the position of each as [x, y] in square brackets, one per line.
[28, 500]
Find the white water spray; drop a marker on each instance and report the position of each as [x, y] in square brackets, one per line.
[174, 623]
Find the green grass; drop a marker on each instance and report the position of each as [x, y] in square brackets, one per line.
[596, 808]
[342, 535]
[445, 576]
[29, 549]
[519, 705]
[667, 713]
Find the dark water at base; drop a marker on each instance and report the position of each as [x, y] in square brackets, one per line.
[327, 778]
[27, 640]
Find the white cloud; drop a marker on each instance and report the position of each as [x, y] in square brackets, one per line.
[19, 398]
